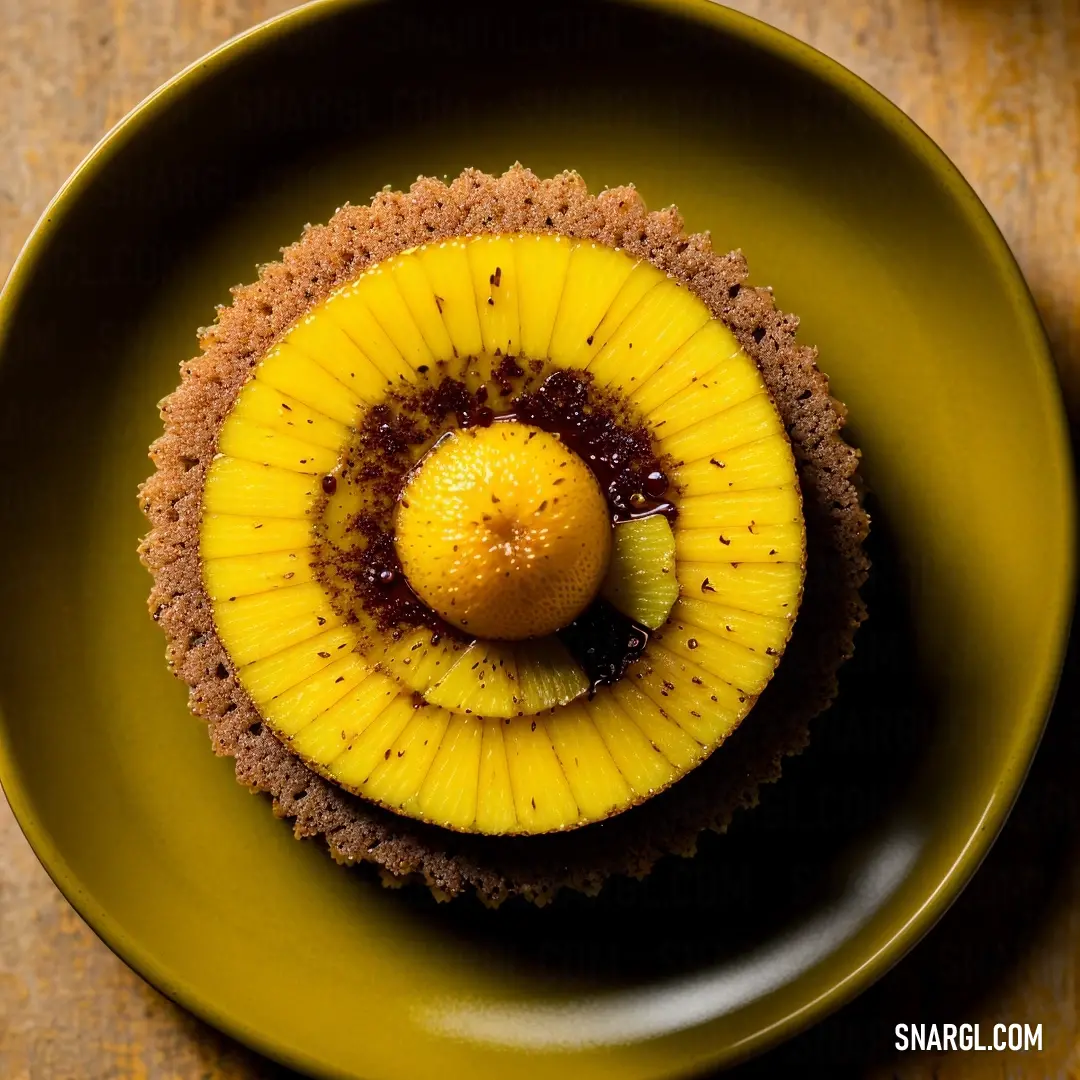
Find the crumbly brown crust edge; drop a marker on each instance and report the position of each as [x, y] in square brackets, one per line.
[329, 255]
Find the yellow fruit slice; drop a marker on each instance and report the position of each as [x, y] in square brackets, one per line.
[373, 744]
[641, 280]
[225, 535]
[418, 659]
[332, 734]
[297, 375]
[412, 281]
[236, 486]
[495, 809]
[667, 316]
[742, 544]
[267, 446]
[543, 799]
[547, 674]
[447, 268]
[297, 707]
[448, 795]
[760, 463]
[541, 262]
[483, 681]
[320, 337]
[676, 744]
[595, 274]
[349, 311]
[252, 627]
[692, 363]
[749, 507]
[499, 679]
[733, 663]
[397, 781]
[262, 406]
[734, 381]
[766, 588]
[704, 706]
[598, 786]
[494, 276]
[273, 675]
[640, 761]
[243, 575]
[758, 632]
[712, 437]
[377, 291]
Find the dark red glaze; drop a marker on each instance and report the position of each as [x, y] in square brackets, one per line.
[604, 642]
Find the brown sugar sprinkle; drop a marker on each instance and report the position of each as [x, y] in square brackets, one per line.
[595, 426]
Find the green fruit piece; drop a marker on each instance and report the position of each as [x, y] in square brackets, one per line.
[641, 579]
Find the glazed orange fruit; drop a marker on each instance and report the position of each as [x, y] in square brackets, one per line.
[504, 532]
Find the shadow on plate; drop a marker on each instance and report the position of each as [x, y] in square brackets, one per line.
[782, 864]
[972, 960]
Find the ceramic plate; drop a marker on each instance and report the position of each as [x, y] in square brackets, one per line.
[925, 325]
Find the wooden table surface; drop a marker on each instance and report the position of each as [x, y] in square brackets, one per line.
[997, 84]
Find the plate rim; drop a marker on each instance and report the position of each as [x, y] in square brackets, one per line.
[1006, 788]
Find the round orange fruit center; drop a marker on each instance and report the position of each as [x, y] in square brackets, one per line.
[504, 532]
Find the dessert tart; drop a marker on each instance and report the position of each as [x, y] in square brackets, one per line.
[482, 524]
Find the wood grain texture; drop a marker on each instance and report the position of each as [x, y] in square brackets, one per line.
[995, 84]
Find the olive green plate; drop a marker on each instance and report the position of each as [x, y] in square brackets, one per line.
[926, 327]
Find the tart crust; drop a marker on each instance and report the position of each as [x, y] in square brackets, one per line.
[449, 863]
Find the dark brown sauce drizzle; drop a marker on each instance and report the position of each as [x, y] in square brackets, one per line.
[604, 642]
[620, 455]
[375, 575]
[592, 424]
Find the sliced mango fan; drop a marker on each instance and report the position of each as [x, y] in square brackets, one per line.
[493, 735]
